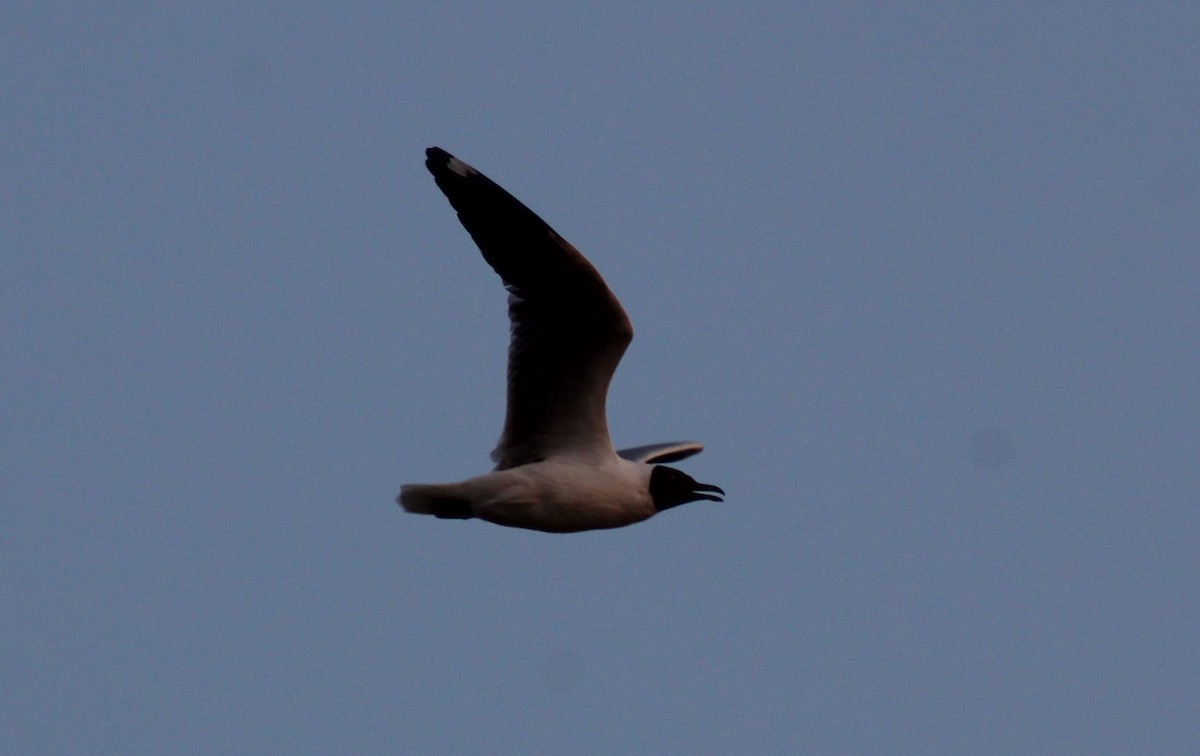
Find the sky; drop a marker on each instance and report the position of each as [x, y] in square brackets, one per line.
[923, 277]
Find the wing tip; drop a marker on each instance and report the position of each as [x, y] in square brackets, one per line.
[438, 161]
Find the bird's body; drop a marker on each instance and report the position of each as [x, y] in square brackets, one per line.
[556, 469]
[557, 495]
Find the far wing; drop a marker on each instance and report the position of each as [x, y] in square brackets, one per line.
[672, 451]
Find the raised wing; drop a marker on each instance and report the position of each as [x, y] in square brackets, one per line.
[568, 330]
[671, 451]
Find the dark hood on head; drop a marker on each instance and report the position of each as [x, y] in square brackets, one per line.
[670, 488]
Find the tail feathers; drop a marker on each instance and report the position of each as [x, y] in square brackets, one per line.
[434, 500]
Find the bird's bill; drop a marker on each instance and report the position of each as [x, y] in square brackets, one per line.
[706, 487]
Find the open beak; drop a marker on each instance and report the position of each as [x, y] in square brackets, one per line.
[706, 487]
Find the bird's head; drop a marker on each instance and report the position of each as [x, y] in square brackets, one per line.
[670, 488]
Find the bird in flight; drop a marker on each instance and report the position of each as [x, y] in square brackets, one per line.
[556, 469]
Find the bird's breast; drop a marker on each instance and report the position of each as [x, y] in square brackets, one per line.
[563, 497]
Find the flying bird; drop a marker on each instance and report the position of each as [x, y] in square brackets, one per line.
[556, 469]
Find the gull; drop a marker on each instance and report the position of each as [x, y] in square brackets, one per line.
[556, 468]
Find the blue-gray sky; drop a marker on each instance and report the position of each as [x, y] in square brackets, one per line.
[923, 277]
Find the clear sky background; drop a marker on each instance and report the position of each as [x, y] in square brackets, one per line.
[924, 277]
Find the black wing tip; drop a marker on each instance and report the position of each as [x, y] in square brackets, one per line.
[437, 160]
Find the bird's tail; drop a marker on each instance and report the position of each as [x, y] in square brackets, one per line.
[437, 500]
